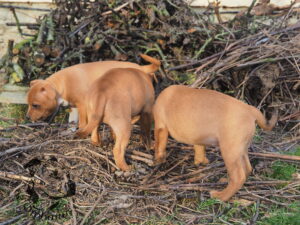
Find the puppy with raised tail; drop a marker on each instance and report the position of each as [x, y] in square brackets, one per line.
[115, 98]
[202, 118]
[71, 84]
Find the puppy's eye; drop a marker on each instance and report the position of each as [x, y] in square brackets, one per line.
[35, 106]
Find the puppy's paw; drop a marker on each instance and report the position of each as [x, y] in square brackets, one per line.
[80, 133]
[218, 195]
[125, 167]
[160, 160]
[96, 143]
[203, 161]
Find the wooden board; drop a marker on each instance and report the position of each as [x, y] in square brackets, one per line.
[13, 94]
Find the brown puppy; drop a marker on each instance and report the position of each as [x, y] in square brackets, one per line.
[204, 117]
[71, 84]
[115, 98]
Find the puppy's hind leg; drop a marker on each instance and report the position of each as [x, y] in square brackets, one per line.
[91, 126]
[94, 118]
[247, 164]
[236, 170]
[146, 119]
[161, 139]
[122, 130]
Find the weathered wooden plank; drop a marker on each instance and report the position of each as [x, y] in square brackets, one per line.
[13, 94]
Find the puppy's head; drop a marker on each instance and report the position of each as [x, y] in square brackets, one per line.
[42, 100]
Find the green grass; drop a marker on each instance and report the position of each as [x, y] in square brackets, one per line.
[208, 204]
[282, 216]
[283, 170]
[257, 138]
[187, 78]
[296, 151]
[57, 211]
[16, 112]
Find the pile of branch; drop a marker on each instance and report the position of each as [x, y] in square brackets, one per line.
[262, 69]
[87, 31]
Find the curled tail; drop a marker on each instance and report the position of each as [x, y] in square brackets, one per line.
[262, 121]
[155, 64]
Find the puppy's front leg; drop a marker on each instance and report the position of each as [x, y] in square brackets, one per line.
[82, 117]
[95, 137]
[161, 138]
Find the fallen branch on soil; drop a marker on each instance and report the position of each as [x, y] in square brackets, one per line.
[19, 177]
[277, 156]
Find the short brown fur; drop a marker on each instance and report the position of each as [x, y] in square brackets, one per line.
[203, 117]
[71, 84]
[114, 99]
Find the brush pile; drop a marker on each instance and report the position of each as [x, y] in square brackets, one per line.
[254, 58]
[86, 31]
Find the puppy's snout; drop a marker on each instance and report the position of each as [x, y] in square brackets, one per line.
[27, 116]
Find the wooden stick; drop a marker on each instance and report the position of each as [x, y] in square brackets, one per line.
[116, 9]
[19, 177]
[205, 64]
[274, 155]
[149, 162]
[290, 140]
[100, 156]
[25, 148]
[148, 156]
[173, 167]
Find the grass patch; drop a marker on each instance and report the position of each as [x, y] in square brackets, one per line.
[187, 78]
[283, 170]
[10, 114]
[296, 152]
[257, 138]
[208, 204]
[15, 112]
[283, 216]
[39, 212]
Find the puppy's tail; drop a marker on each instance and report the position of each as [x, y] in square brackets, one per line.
[154, 66]
[262, 121]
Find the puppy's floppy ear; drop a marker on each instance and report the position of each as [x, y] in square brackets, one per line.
[33, 82]
[48, 90]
